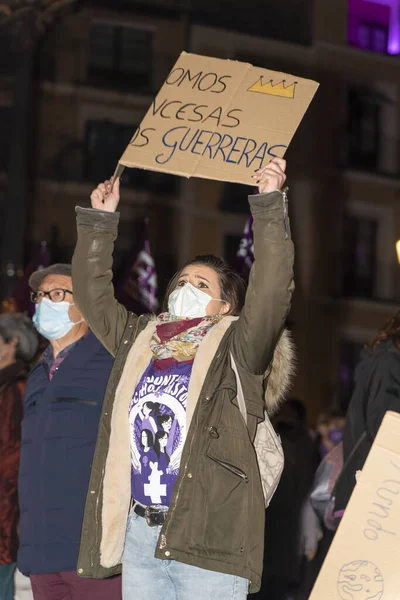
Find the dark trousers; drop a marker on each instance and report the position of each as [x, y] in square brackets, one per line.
[67, 585]
[7, 581]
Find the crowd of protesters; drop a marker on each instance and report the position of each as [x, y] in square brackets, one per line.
[126, 441]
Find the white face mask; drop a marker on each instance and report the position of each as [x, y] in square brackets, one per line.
[188, 301]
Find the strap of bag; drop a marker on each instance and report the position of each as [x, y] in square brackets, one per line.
[365, 435]
[240, 395]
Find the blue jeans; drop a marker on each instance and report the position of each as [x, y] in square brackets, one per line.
[144, 576]
[7, 581]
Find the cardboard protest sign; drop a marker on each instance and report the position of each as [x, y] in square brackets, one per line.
[363, 560]
[219, 119]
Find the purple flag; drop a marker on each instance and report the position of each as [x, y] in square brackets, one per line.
[19, 300]
[245, 253]
[138, 289]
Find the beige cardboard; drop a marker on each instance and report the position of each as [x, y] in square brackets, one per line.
[363, 562]
[219, 119]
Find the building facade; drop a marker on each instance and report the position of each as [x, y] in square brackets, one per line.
[96, 74]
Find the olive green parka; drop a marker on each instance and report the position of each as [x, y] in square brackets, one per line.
[216, 516]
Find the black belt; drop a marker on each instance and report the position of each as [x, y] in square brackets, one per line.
[154, 516]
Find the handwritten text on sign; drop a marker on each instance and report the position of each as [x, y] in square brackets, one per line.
[219, 119]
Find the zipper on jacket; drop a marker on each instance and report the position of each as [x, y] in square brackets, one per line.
[163, 537]
[285, 212]
[104, 468]
[235, 470]
[96, 512]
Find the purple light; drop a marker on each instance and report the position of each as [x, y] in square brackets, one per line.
[393, 46]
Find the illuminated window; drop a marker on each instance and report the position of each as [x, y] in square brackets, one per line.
[374, 25]
[373, 38]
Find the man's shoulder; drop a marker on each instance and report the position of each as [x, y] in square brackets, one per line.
[91, 340]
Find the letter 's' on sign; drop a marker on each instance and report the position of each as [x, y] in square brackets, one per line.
[218, 119]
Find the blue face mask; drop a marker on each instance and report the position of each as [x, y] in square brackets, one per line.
[51, 319]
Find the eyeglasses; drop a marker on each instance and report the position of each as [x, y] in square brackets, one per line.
[56, 295]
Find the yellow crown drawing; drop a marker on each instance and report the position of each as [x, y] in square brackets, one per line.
[278, 89]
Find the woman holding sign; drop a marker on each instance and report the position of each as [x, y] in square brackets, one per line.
[175, 492]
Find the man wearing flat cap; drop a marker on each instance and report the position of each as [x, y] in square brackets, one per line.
[62, 409]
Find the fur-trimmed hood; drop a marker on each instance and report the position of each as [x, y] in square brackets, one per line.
[280, 375]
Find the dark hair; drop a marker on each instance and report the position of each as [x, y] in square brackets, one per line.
[20, 326]
[154, 407]
[159, 435]
[233, 287]
[390, 332]
[161, 419]
[328, 415]
[298, 408]
[150, 439]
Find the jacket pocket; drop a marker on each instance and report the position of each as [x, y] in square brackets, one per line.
[219, 506]
[231, 468]
[73, 400]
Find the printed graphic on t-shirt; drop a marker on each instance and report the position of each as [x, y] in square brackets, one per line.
[157, 418]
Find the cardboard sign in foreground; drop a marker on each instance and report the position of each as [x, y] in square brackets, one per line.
[219, 119]
[364, 558]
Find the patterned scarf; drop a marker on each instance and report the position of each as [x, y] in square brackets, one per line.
[178, 338]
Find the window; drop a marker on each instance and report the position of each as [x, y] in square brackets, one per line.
[289, 21]
[45, 65]
[105, 142]
[233, 198]
[363, 130]
[372, 37]
[349, 356]
[120, 57]
[359, 258]
[231, 247]
[374, 25]
[6, 134]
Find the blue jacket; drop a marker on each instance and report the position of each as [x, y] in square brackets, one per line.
[59, 433]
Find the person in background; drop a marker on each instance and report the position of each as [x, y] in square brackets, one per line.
[285, 539]
[18, 345]
[63, 401]
[330, 428]
[377, 390]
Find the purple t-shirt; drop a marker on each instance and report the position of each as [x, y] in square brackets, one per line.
[157, 418]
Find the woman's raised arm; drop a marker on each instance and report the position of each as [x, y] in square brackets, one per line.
[92, 266]
[271, 279]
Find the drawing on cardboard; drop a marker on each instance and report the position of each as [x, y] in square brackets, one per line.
[271, 89]
[360, 580]
[204, 123]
